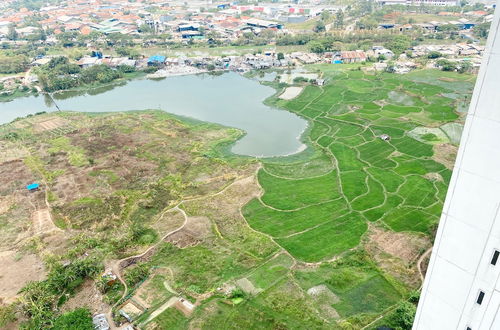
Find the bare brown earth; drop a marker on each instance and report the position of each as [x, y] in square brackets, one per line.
[87, 296]
[167, 222]
[16, 203]
[433, 176]
[194, 231]
[184, 306]
[49, 124]
[445, 154]
[16, 271]
[42, 222]
[397, 253]
[11, 151]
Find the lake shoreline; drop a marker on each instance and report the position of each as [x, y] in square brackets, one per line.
[229, 99]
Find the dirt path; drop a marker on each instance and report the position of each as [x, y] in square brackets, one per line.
[172, 301]
[116, 267]
[42, 222]
[419, 264]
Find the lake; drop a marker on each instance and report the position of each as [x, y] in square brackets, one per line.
[229, 99]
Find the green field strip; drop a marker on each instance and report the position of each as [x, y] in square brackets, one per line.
[292, 194]
[281, 223]
[326, 240]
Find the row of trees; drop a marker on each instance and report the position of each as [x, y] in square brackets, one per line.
[13, 63]
[397, 44]
[59, 74]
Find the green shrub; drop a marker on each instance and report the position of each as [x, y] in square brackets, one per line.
[78, 319]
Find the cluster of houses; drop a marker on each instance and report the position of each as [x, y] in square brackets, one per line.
[455, 50]
[270, 59]
[180, 19]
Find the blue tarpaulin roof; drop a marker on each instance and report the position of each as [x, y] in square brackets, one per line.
[32, 186]
[157, 58]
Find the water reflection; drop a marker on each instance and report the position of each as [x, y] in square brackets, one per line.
[228, 99]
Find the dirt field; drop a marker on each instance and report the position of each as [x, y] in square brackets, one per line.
[103, 174]
[445, 154]
[184, 306]
[397, 253]
[49, 124]
[325, 298]
[168, 222]
[132, 309]
[148, 294]
[11, 151]
[16, 203]
[88, 296]
[291, 93]
[16, 271]
[42, 222]
[195, 230]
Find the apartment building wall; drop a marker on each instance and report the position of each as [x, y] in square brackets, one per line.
[469, 230]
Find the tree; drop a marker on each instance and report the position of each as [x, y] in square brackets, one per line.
[481, 30]
[320, 27]
[145, 28]
[316, 47]
[403, 316]
[55, 61]
[339, 19]
[67, 39]
[325, 15]
[465, 67]
[446, 65]
[281, 56]
[12, 32]
[78, 319]
[448, 28]
[434, 54]
[399, 44]
[366, 23]
[13, 63]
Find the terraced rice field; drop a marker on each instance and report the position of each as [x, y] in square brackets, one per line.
[319, 204]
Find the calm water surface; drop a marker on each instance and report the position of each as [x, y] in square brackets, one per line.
[229, 99]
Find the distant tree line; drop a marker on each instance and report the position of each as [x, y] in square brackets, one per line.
[60, 74]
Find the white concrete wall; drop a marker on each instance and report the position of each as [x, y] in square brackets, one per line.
[469, 229]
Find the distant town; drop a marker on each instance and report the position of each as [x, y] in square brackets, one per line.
[176, 37]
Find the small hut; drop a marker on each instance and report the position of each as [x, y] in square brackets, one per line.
[385, 137]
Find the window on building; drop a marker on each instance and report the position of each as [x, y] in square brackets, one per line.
[494, 259]
[480, 297]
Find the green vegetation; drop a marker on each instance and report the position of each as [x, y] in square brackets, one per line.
[111, 181]
[78, 319]
[13, 64]
[320, 214]
[40, 298]
[171, 319]
[355, 286]
[60, 74]
[297, 254]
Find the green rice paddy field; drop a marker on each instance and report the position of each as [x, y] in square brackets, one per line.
[320, 207]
